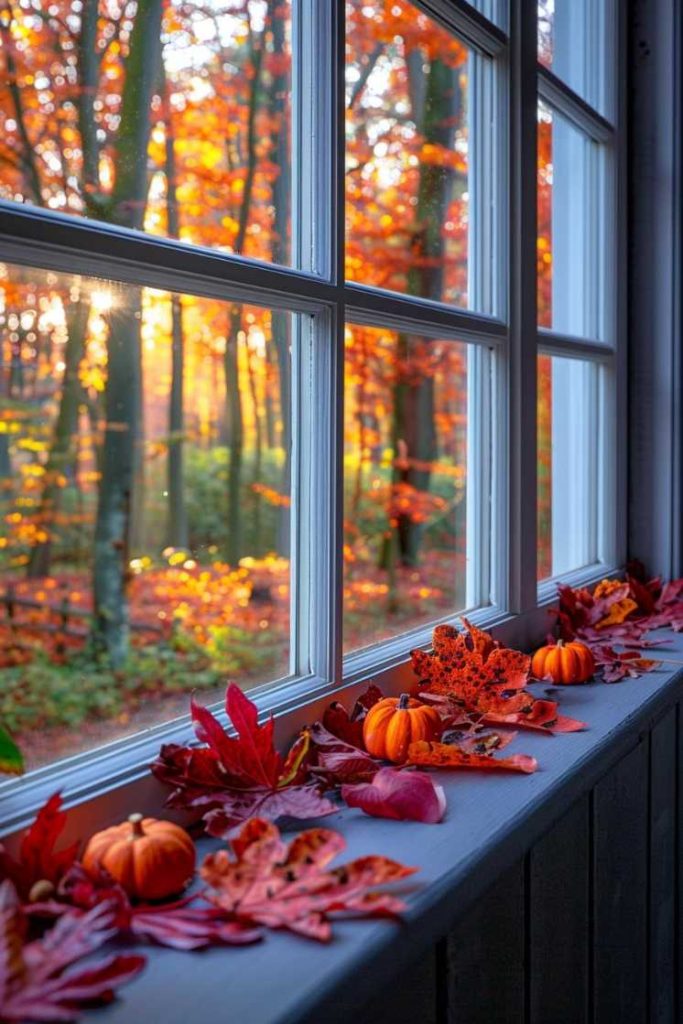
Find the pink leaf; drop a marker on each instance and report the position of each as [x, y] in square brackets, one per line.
[401, 795]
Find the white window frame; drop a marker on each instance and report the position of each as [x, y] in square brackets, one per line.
[317, 292]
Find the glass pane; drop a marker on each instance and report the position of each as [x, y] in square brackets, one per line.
[571, 245]
[406, 482]
[170, 118]
[408, 145]
[574, 42]
[568, 446]
[144, 504]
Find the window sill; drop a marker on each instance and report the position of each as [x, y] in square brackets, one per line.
[99, 785]
[490, 823]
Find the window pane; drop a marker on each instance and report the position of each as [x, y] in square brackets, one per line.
[571, 244]
[407, 488]
[574, 39]
[409, 214]
[144, 503]
[171, 118]
[568, 446]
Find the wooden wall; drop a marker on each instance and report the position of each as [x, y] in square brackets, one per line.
[585, 928]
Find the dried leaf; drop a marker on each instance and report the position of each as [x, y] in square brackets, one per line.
[475, 671]
[349, 727]
[400, 795]
[444, 755]
[616, 666]
[34, 981]
[543, 717]
[339, 762]
[268, 882]
[38, 857]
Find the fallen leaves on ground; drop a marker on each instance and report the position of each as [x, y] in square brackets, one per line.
[278, 885]
[233, 779]
[39, 979]
[398, 794]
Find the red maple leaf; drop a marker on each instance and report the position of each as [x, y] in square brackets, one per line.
[233, 779]
[38, 980]
[349, 727]
[267, 882]
[618, 665]
[39, 860]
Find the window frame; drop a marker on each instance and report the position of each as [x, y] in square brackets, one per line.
[517, 611]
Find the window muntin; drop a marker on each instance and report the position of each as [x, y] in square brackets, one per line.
[492, 533]
[145, 504]
[409, 485]
[173, 119]
[411, 133]
[572, 249]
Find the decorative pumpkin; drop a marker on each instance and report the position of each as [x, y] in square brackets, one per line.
[150, 859]
[571, 662]
[392, 724]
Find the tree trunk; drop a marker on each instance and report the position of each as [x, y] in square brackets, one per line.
[177, 513]
[112, 532]
[124, 387]
[236, 425]
[437, 102]
[62, 452]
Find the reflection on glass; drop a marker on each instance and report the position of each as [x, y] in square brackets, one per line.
[574, 42]
[568, 445]
[173, 118]
[405, 482]
[570, 247]
[144, 504]
[407, 139]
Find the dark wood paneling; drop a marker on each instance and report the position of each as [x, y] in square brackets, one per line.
[620, 890]
[559, 868]
[410, 999]
[663, 795]
[485, 963]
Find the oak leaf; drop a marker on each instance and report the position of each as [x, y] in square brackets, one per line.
[268, 882]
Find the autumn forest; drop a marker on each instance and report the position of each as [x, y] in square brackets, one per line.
[146, 436]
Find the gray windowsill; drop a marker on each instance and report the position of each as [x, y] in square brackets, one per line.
[491, 820]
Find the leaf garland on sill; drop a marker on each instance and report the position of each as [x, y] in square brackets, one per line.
[53, 912]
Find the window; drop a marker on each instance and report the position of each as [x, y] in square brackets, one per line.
[232, 446]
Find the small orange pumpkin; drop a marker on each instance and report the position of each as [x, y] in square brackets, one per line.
[571, 662]
[150, 859]
[394, 723]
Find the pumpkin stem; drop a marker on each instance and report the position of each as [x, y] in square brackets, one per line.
[136, 822]
[403, 701]
[560, 643]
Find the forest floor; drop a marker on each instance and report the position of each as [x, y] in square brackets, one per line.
[194, 627]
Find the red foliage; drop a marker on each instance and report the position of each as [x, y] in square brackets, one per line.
[276, 885]
[38, 858]
[34, 981]
[349, 727]
[400, 795]
[234, 779]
